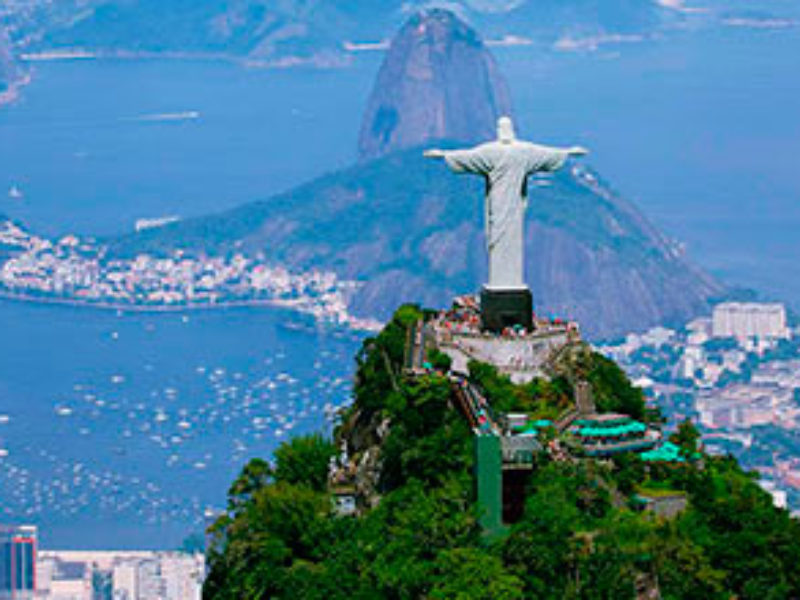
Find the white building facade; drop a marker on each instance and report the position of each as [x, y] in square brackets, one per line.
[750, 320]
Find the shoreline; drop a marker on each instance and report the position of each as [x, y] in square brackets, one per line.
[142, 308]
[354, 325]
[320, 62]
[316, 61]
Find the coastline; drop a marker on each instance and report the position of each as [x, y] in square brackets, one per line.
[314, 61]
[319, 61]
[143, 308]
[353, 324]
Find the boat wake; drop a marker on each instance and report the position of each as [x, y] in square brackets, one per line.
[189, 115]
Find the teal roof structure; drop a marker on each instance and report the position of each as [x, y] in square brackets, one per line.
[612, 431]
[666, 452]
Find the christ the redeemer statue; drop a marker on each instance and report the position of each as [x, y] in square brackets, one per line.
[506, 164]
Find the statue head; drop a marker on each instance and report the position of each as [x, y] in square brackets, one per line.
[505, 130]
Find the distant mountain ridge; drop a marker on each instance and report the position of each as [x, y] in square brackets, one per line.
[300, 31]
[257, 29]
[407, 229]
[437, 81]
[266, 30]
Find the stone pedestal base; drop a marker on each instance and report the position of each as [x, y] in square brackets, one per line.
[506, 308]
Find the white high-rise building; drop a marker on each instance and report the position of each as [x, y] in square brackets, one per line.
[131, 575]
[17, 562]
[750, 320]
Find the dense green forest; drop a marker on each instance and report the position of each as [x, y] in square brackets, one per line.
[582, 534]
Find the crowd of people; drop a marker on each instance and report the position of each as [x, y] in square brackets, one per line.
[464, 318]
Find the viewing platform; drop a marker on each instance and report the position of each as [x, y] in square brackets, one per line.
[608, 434]
[519, 353]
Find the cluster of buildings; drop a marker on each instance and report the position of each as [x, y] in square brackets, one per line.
[769, 398]
[28, 573]
[737, 375]
[77, 270]
[708, 351]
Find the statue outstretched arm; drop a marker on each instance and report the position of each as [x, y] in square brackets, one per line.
[577, 151]
[434, 153]
[475, 160]
[548, 159]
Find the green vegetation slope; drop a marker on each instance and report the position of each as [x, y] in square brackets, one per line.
[580, 536]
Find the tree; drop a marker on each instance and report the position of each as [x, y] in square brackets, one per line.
[473, 574]
[544, 397]
[428, 440]
[380, 360]
[440, 361]
[613, 391]
[577, 538]
[305, 461]
[256, 474]
[684, 570]
[252, 553]
[686, 437]
[402, 537]
[629, 472]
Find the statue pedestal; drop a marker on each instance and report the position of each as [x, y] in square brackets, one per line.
[506, 308]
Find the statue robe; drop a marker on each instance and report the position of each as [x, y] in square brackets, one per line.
[506, 167]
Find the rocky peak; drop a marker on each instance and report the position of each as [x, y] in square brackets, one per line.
[438, 81]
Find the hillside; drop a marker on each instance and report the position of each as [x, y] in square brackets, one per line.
[256, 28]
[405, 225]
[582, 532]
[298, 30]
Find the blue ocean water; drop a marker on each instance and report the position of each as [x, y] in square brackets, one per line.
[94, 145]
[122, 429]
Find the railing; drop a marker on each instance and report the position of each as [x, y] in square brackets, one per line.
[623, 446]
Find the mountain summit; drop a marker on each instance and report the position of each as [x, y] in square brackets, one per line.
[438, 81]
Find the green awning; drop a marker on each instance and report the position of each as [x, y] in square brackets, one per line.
[667, 452]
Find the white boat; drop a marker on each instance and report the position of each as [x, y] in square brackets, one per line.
[15, 193]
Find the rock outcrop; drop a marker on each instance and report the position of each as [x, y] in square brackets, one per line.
[438, 81]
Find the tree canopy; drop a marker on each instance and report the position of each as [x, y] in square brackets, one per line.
[582, 533]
